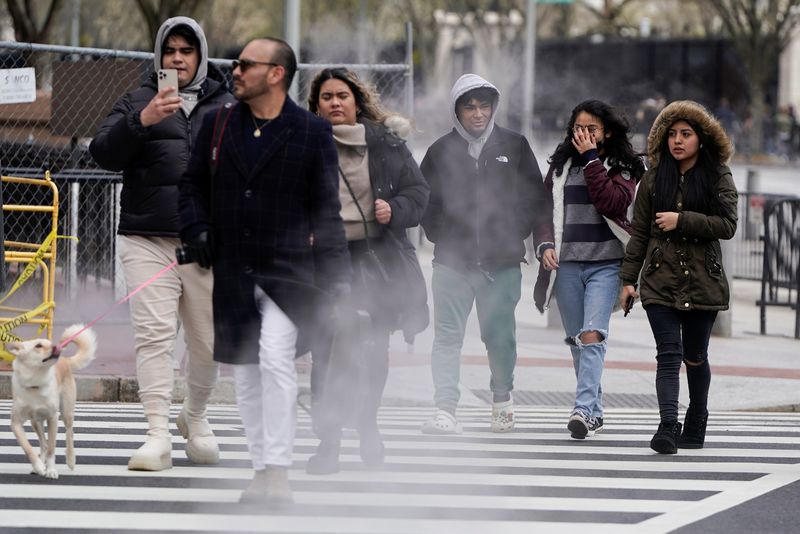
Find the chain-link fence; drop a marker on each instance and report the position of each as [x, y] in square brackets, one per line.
[76, 88]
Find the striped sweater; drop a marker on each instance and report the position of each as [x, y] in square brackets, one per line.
[587, 236]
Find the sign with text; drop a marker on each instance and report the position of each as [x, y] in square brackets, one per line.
[17, 85]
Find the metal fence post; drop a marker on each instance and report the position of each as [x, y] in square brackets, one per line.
[119, 276]
[723, 326]
[74, 221]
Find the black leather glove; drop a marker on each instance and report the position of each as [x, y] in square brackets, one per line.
[199, 249]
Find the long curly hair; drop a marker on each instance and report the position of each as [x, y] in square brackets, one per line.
[617, 147]
[367, 100]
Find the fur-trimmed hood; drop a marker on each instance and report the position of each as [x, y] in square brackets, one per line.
[699, 117]
[398, 125]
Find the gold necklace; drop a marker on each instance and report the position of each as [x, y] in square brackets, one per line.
[257, 131]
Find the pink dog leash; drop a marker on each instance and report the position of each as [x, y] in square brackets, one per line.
[126, 298]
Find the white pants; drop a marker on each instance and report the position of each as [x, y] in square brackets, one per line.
[182, 294]
[266, 392]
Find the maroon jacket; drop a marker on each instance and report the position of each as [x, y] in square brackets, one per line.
[611, 191]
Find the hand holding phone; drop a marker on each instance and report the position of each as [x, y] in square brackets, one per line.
[628, 305]
[168, 78]
[162, 106]
[627, 297]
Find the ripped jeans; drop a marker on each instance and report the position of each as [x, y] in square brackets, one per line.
[586, 293]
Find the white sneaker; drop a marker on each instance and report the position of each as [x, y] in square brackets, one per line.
[503, 416]
[442, 422]
[201, 445]
[154, 455]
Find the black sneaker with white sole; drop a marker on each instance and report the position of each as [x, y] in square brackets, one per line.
[578, 425]
[595, 425]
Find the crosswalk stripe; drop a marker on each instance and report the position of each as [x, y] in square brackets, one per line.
[535, 479]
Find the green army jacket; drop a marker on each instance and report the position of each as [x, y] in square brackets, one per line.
[683, 268]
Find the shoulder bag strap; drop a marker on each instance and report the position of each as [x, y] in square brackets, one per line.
[360, 211]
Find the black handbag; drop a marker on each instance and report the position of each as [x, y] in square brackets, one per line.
[374, 275]
[393, 269]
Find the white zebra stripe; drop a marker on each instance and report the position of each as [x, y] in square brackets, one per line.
[370, 493]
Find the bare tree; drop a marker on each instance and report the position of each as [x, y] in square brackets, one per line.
[155, 12]
[30, 26]
[760, 31]
[609, 15]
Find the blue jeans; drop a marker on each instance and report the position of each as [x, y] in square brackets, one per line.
[495, 295]
[586, 293]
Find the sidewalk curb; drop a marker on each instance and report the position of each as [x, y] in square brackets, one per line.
[125, 389]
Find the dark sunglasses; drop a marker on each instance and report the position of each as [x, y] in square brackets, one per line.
[245, 64]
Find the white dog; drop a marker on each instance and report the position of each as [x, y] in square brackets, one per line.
[40, 382]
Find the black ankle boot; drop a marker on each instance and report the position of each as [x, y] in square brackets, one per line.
[371, 448]
[665, 440]
[694, 430]
[326, 460]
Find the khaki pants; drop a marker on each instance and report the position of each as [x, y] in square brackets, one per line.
[181, 295]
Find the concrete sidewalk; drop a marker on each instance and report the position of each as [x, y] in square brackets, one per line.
[750, 371]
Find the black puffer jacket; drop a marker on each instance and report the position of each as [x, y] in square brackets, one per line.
[152, 159]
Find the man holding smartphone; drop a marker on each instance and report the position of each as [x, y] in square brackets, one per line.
[148, 135]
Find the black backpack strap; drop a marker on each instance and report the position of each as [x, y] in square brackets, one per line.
[220, 123]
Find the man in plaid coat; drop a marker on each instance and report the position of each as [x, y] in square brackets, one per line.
[260, 203]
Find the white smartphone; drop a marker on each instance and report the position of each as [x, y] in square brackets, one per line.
[168, 78]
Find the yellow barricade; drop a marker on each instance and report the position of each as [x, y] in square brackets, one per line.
[35, 256]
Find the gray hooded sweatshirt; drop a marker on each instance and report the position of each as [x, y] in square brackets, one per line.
[466, 83]
[190, 91]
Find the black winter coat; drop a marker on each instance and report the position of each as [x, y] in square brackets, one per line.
[261, 220]
[480, 212]
[152, 159]
[395, 177]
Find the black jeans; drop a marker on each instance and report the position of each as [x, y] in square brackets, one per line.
[681, 335]
[348, 374]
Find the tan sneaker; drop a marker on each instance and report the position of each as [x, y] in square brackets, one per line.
[154, 455]
[279, 492]
[201, 445]
[256, 491]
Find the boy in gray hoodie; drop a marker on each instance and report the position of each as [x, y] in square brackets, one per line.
[485, 188]
[148, 135]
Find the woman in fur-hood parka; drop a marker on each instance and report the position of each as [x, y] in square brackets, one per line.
[695, 114]
[686, 203]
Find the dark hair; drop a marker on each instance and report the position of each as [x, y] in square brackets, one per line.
[617, 147]
[188, 34]
[284, 56]
[366, 97]
[481, 94]
[700, 189]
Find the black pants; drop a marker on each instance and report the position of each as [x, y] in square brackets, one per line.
[681, 335]
[350, 367]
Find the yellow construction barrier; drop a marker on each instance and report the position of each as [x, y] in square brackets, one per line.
[36, 256]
